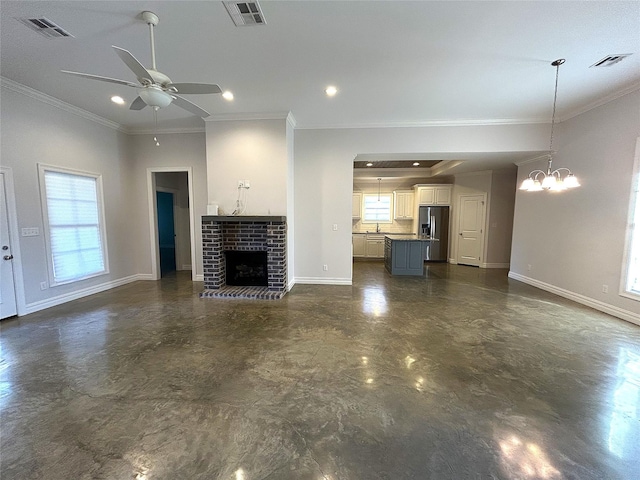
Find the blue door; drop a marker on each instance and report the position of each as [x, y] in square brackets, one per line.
[166, 232]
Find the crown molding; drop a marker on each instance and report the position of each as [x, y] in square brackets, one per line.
[232, 117]
[537, 158]
[164, 131]
[67, 107]
[434, 123]
[601, 101]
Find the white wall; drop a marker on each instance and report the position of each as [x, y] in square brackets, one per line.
[574, 240]
[253, 150]
[324, 180]
[500, 223]
[35, 131]
[176, 150]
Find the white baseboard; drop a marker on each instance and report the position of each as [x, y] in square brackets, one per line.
[85, 292]
[452, 261]
[199, 277]
[185, 267]
[290, 285]
[145, 276]
[495, 265]
[576, 297]
[322, 281]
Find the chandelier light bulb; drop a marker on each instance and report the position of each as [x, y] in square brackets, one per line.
[571, 181]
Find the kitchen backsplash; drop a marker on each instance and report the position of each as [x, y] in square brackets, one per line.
[401, 226]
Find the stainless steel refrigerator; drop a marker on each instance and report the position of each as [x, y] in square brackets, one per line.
[433, 225]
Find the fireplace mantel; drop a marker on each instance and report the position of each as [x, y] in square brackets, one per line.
[243, 218]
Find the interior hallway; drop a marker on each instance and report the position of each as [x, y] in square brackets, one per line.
[461, 374]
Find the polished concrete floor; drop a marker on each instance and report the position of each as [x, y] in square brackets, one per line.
[462, 374]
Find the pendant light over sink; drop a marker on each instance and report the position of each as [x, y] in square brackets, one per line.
[552, 180]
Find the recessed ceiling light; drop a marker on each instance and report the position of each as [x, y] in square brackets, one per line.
[331, 91]
[369, 164]
[117, 99]
[227, 95]
[416, 164]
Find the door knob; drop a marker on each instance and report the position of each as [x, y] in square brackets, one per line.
[8, 257]
[460, 233]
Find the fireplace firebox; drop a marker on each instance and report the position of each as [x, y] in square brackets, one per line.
[246, 268]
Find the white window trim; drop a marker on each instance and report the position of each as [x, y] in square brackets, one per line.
[390, 195]
[42, 168]
[633, 201]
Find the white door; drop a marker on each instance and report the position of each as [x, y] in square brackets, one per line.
[470, 229]
[7, 287]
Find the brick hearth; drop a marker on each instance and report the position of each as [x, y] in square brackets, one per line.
[222, 233]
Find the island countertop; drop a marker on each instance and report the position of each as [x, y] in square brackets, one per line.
[411, 238]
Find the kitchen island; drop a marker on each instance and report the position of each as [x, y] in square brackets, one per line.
[404, 255]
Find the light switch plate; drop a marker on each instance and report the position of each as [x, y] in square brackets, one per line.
[30, 232]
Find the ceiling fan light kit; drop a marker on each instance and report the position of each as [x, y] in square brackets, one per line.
[551, 180]
[155, 89]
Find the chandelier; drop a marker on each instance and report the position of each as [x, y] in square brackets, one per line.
[551, 179]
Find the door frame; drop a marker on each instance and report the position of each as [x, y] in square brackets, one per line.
[12, 217]
[153, 218]
[483, 236]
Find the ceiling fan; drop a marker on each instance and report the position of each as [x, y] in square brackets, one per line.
[155, 88]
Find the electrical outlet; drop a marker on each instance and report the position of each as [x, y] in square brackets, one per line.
[529, 267]
[605, 288]
[43, 285]
[325, 268]
[335, 227]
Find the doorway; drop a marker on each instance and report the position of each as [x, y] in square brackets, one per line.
[172, 221]
[471, 229]
[8, 304]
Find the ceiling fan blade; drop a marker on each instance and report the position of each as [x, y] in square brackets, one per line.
[134, 65]
[195, 88]
[137, 104]
[101, 78]
[190, 107]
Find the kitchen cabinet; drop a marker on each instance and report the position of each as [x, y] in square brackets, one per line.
[356, 205]
[403, 205]
[375, 246]
[434, 194]
[359, 244]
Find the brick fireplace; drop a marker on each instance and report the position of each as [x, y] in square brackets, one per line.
[221, 234]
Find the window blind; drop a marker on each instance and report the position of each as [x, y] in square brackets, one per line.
[377, 211]
[74, 226]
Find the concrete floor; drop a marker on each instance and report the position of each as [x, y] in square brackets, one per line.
[463, 374]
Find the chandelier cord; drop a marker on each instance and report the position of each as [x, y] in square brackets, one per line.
[553, 115]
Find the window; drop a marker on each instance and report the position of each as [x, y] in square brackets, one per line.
[74, 224]
[631, 282]
[377, 209]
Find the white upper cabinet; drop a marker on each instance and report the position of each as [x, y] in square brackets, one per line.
[434, 194]
[356, 206]
[403, 205]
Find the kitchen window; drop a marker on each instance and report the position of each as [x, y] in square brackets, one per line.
[631, 280]
[377, 208]
[73, 213]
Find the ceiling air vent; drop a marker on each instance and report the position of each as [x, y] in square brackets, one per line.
[610, 60]
[245, 14]
[45, 27]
